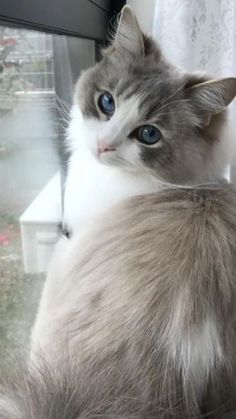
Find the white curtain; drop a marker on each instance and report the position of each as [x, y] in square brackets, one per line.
[199, 35]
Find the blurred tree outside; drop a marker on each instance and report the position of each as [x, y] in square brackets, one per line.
[26, 64]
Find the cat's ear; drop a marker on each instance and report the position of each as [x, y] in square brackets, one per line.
[128, 36]
[212, 97]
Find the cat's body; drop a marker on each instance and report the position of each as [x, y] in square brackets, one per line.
[129, 344]
[138, 315]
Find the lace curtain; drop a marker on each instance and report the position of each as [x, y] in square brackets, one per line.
[199, 35]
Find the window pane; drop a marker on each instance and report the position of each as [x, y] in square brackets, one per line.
[37, 73]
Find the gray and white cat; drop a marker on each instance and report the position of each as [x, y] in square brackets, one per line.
[139, 121]
[138, 315]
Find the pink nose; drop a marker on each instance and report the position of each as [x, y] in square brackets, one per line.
[104, 147]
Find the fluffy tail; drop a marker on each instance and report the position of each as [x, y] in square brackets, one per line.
[42, 392]
[39, 392]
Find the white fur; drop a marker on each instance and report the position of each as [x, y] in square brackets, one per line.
[93, 185]
[196, 349]
[7, 405]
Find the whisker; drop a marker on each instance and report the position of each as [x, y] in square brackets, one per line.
[64, 118]
[64, 104]
[60, 125]
[173, 94]
[161, 108]
[62, 101]
[63, 113]
[63, 108]
[62, 122]
[205, 185]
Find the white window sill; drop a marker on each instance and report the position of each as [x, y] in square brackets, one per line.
[40, 227]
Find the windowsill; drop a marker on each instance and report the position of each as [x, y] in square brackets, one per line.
[40, 227]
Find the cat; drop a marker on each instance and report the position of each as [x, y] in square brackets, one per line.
[138, 318]
[145, 91]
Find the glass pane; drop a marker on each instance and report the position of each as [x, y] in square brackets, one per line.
[37, 73]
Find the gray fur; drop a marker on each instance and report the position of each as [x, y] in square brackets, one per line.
[106, 350]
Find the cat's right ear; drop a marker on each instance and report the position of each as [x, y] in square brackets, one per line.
[128, 37]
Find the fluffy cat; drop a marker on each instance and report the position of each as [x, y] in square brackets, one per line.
[138, 316]
[185, 112]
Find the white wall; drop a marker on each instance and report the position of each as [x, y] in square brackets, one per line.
[144, 11]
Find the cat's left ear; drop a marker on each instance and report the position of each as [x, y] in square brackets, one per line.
[212, 97]
[128, 36]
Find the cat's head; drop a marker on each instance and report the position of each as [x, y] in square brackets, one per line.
[140, 112]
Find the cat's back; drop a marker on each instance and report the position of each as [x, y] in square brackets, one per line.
[177, 222]
[171, 253]
[161, 269]
[145, 303]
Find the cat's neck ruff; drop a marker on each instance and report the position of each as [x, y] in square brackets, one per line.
[92, 188]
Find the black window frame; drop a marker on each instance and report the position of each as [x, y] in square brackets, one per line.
[81, 18]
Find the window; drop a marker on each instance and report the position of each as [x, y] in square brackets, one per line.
[37, 73]
[43, 48]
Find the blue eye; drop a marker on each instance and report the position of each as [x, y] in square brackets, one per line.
[148, 134]
[106, 103]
